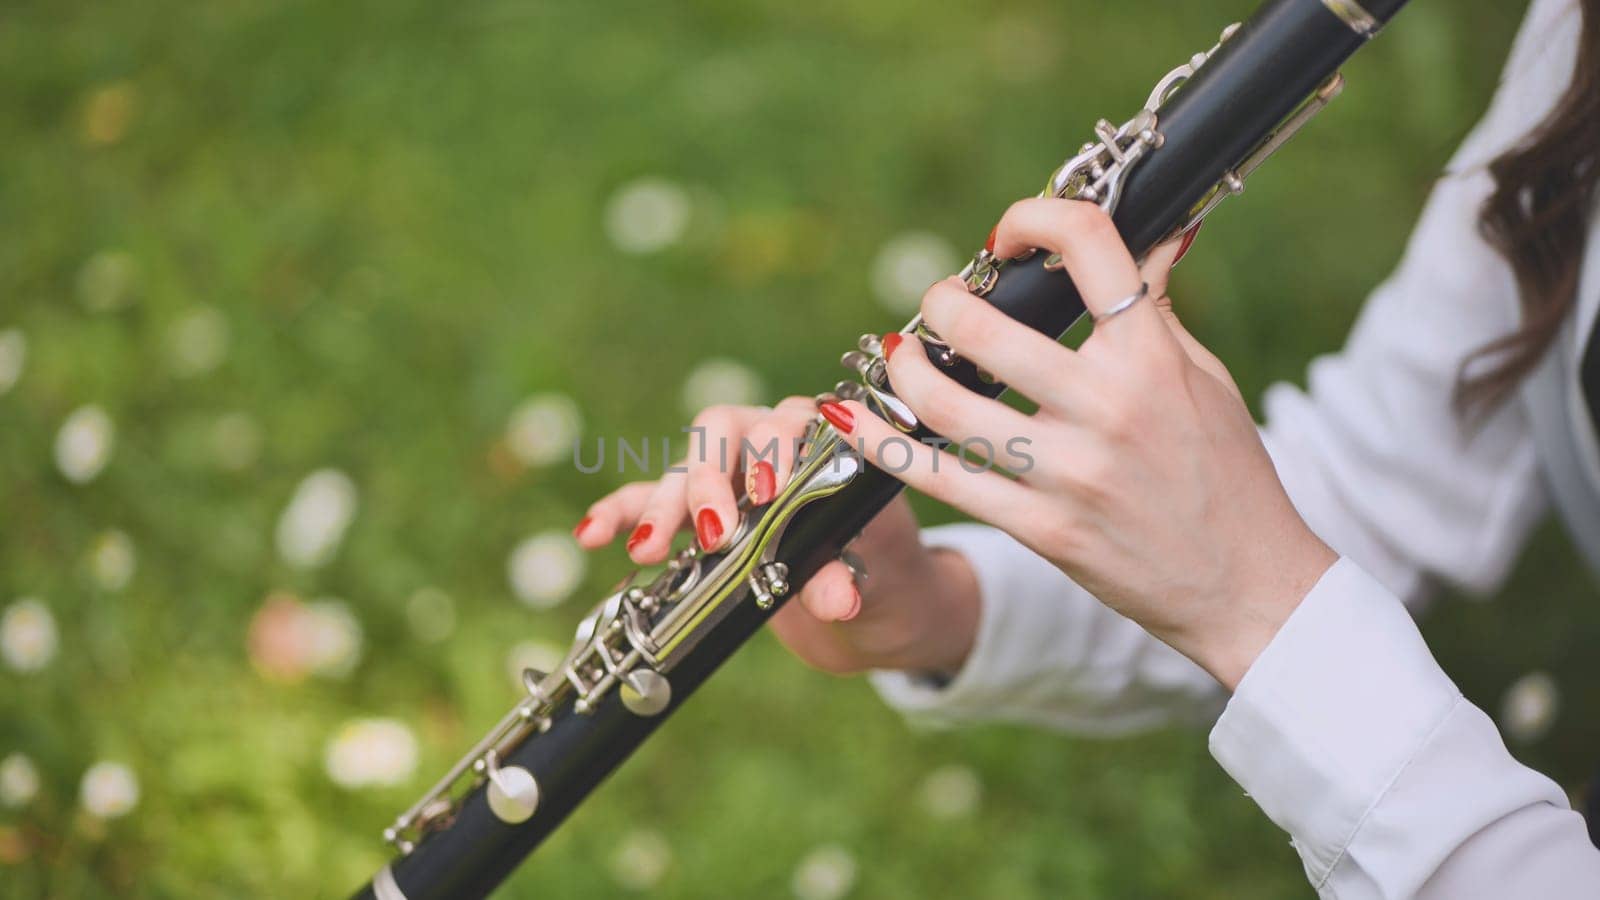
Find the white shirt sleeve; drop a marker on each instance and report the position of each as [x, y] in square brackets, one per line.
[1371, 453]
[1351, 738]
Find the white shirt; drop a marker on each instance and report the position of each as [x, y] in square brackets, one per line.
[1345, 730]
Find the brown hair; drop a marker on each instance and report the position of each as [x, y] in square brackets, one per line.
[1537, 218]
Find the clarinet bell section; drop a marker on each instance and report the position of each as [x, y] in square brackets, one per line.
[1207, 126]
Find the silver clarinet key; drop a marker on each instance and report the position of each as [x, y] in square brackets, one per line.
[645, 692]
[513, 793]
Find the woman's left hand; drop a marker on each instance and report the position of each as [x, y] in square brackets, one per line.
[1146, 480]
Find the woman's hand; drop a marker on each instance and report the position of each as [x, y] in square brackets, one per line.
[1148, 483]
[917, 608]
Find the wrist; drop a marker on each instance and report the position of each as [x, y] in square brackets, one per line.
[935, 619]
[950, 629]
[1258, 607]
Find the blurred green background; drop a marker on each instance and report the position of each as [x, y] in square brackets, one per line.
[402, 244]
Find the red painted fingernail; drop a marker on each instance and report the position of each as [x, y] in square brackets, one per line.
[890, 342]
[708, 528]
[583, 523]
[640, 535]
[762, 483]
[989, 244]
[838, 417]
[1188, 241]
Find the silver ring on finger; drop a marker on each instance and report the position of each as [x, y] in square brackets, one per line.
[1125, 304]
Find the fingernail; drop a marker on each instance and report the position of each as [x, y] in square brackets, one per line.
[989, 244]
[855, 606]
[1188, 241]
[640, 535]
[761, 483]
[708, 528]
[890, 342]
[838, 417]
[577, 530]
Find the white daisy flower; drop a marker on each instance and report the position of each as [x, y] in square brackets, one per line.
[332, 638]
[19, 781]
[951, 792]
[27, 635]
[546, 568]
[717, 381]
[907, 265]
[1530, 706]
[646, 215]
[314, 522]
[13, 356]
[543, 428]
[826, 873]
[641, 859]
[371, 753]
[235, 441]
[540, 655]
[106, 280]
[198, 341]
[109, 790]
[431, 614]
[112, 560]
[84, 444]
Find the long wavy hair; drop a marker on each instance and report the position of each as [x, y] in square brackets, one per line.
[1538, 219]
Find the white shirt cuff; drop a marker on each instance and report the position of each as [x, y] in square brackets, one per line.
[1331, 712]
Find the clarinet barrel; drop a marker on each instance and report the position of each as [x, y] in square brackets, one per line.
[642, 651]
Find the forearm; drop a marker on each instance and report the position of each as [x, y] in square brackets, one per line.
[1046, 652]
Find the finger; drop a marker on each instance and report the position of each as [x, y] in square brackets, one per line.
[949, 409]
[664, 513]
[612, 513]
[978, 492]
[1156, 270]
[772, 445]
[831, 595]
[1025, 360]
[1198, 354]
[713, 456]
[1092, 253]
[817, 643]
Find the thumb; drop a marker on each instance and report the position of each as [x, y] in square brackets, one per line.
[831, 595]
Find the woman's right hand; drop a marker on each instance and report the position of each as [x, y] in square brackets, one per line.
[917, 609]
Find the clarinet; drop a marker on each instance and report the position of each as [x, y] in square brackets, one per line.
[641, 652]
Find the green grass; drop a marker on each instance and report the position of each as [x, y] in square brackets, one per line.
[398, 209]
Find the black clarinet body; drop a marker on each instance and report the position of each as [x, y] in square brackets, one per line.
[645, 650]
